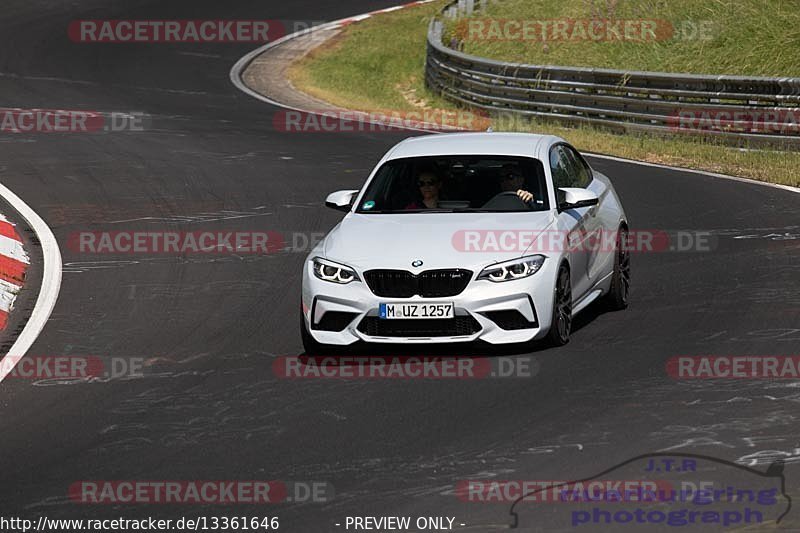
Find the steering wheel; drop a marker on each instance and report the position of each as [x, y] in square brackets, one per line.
[503, 197]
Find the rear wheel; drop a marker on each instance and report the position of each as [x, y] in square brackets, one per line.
[561, 324]
[617, 298]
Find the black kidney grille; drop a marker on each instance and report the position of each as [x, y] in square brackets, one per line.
[437, 283]
[428, 284]
[392, 283]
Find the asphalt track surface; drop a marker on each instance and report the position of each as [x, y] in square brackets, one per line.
[211, 408]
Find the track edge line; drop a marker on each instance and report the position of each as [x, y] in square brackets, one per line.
[51, 280]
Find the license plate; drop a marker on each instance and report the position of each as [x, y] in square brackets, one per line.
[406, 311]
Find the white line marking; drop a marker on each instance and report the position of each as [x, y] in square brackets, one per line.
[51, 279]
[359, 18]
[703, 172]
[240, 66]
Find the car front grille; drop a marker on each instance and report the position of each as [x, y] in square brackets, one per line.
[428, 284]
[459, 326]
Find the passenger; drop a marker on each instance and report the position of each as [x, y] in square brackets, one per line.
[430, 187]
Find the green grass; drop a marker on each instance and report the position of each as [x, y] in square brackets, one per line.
[378, 65]
[743, 37]
[373, 64]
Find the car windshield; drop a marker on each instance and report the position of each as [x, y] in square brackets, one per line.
[456, 184]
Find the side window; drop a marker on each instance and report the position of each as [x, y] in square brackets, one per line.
[580, 172]
[562, 167]
[559, 166]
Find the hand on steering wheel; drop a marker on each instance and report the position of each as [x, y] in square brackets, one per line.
[525, 196]
[521, 195]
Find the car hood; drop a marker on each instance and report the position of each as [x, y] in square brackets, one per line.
[439, 240]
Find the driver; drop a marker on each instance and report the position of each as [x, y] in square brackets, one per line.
[511, 180]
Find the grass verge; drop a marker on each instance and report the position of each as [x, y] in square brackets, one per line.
[377, 65]
[741, 37]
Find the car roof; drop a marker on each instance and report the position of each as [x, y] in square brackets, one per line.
[509, 144]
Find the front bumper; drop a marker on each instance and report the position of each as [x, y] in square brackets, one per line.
[480, 310]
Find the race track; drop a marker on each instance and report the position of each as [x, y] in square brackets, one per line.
[209, 326]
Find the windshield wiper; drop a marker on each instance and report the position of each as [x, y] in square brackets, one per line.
[478, 210]
[404, 211]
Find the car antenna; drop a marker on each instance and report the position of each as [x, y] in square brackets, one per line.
[490, 130]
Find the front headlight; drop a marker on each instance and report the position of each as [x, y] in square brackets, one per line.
[333, 272]
[514, 269]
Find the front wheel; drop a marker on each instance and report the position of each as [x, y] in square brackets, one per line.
[561, 323]
[618, 294]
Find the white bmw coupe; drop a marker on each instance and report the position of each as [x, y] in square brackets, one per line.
[498, 237]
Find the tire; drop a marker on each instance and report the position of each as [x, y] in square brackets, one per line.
[561, 323]
[619, 293]
[310, 346]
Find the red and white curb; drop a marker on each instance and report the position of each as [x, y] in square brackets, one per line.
[365, 16]
[240, 66]
[51, 275]
[14, 262]
[343, 115]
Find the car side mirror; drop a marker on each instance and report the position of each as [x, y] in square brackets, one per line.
[341, 200]
[575, 198]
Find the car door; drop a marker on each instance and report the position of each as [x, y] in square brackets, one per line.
[571, 221]
[596, 253]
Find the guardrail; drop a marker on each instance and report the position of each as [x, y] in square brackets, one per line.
[736, 109]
